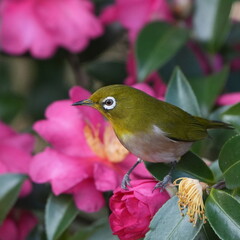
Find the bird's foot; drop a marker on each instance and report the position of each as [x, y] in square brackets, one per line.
[126, 182]
[126, 179]
[163, 184]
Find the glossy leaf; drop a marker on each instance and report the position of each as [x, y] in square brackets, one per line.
[190, 59]
[157, 43]
[103, 233]
[206, 233]
[222, 211]
[211, 22]
[60, 212]
[236, 194]
[231, 115]
[9, 191]
[180, 93]
[229, 162]
[100, 229]
[170, 225]
[216, 170]
[208, 88]
[190, 165]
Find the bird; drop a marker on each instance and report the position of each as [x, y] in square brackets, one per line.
[153, 130]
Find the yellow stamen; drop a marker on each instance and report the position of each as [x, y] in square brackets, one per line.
[109, 148]
[94, 141]
[114, 150]
[190, 194]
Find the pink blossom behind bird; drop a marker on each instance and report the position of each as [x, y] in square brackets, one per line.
[134, 14]
[229, 98]
[42, 26]
[85, 157]
[15, 153]
[17, 225]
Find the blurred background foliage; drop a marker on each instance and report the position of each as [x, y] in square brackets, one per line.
[203, 41]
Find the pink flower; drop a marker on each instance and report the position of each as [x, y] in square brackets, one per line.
[134, 14]
[15, 153]
[17, 225]
[159, 87]
[133, 210]
[85, 158]
[229, 98]
[41, 26]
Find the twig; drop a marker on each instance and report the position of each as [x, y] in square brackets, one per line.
[219, 185]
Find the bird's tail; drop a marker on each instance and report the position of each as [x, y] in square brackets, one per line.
[214, 124]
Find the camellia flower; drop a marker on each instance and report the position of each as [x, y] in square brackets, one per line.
[85, 158]
[132, 210]
[41, 26]
[134, 14]
[17, 225]
[190, 194]
[229, 99]
[15, 153]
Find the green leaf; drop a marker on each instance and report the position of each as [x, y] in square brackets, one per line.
[108, 72]
[100, 229]
[184, 58]
[194, 166]
[229, 162]
[60, 212]
[206, 233]
[157, 43]
[208, 88]
[180, 93]
[232, 115]
[9, 191]
[211, 22]
[216, 170]
[170, 225]
[190, 165]
[236, 194]
[222, 211]
[103, 233]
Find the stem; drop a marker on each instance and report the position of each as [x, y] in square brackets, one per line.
[80, 76]
[219, 185]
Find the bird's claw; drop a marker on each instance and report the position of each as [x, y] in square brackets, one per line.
[163, 184]
[126, 182]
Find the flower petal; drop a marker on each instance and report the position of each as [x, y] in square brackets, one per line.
[64, 172]
[87, 197]
[229, 98]
[106, 178]
[64, 129]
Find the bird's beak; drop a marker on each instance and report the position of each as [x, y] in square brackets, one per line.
[86, 102]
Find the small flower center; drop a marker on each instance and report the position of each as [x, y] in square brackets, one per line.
[110, 148]
[94, 141]
[114, 150]
[190, 194]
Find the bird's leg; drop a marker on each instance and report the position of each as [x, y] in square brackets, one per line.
[167, 179]
[126, 179]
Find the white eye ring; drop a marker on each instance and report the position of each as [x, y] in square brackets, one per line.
[109, 103]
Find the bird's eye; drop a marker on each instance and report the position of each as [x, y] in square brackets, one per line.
[109, 103]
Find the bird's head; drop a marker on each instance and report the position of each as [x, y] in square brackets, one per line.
[114, 101]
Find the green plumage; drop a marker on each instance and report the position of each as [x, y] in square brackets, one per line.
[136, 111]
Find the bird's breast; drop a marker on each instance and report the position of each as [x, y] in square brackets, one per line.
[154, 146]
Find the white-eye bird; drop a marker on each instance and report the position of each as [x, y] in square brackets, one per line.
[153, 130]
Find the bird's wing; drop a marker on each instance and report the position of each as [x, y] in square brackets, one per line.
[185, 132]
[182, 127]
